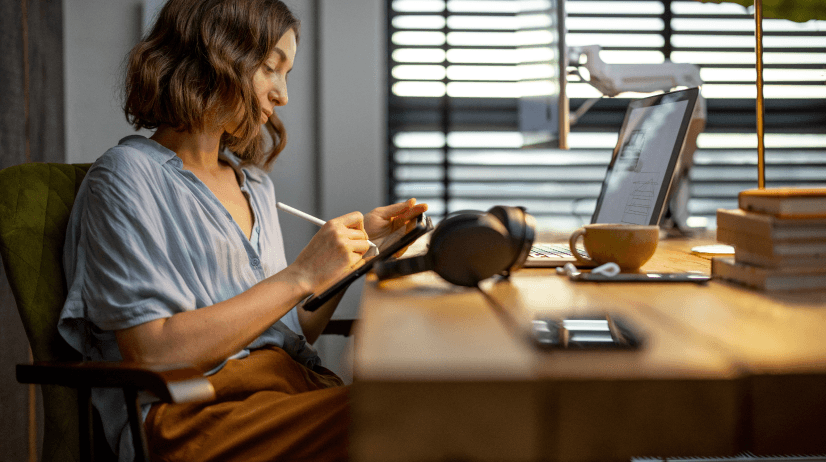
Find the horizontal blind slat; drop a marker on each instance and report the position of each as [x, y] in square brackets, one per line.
[560, 188]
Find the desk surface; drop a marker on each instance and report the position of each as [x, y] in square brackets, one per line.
[447, 372]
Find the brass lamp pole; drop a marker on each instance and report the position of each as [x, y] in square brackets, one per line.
[761, 148]
[795, 10]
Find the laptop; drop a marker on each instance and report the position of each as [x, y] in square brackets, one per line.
[641, 172]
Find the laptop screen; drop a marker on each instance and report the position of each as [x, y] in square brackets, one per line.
[639, 177]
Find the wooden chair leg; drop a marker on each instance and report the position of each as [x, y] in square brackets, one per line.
[138, 433]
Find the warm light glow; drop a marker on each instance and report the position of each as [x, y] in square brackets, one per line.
[769, 75]
[418, 72]
[632, 57]
[606, 24]
[534, 37]
[695, 7]
[419, 156]
[582, 90]
[487, 6]
[749, 140]
[617, 40]
[536, 71]
[483, 89]
[465, 39]
[418, 38]
[498, 73]
[484, 139]
[745, 24]
[419, 22]
[420, 89]
[482, 22]
[533, 21]
[749, 91]
[413, 55]
[744, 57]
[536, 55]
[745, 41]
[591, 140]
[409, 6]
[479, 55]
[615, 7]
[419, 140]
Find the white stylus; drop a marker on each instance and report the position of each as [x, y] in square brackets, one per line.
[374, 250]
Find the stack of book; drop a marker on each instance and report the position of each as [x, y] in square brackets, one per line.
[779, 239]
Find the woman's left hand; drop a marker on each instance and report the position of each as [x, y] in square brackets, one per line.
[382, 221]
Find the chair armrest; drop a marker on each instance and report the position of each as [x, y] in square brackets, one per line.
[172, 384]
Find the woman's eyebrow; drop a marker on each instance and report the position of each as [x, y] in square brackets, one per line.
[281, 53]
[283, 56]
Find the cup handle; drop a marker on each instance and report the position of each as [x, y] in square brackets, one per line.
[572, 244]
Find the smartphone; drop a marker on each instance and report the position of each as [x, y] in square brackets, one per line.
[698, 278]
[598, 331]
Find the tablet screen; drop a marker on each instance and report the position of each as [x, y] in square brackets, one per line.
[391, 245]
[640, 174]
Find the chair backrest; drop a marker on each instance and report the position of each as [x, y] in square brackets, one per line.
[35, 202]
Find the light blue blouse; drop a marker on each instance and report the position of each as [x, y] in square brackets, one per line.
[146, 240]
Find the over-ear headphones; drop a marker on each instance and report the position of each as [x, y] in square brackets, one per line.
[470, 246]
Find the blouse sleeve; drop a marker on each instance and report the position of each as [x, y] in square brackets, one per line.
[129, 273]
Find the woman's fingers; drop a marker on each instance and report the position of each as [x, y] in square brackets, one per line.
[389, 211]
[411, 212]
[353, 220]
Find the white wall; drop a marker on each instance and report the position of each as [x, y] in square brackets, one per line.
[352, 121]
[334, 159]
[98, 34]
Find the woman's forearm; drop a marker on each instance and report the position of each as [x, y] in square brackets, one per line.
[314, 322]
[207, 336]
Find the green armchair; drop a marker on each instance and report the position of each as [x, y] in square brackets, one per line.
[35, 202]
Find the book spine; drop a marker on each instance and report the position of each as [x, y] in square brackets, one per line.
[790, 210]
[760, 244]
[734, 220]
[751, 258]
[758, 204]
[761, 278]
[724, 268]
[762, 226]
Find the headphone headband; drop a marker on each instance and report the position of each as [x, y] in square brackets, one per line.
[469, 246]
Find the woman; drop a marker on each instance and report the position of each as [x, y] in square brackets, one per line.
[174, 252]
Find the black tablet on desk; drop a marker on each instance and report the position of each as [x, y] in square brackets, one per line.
[392, 244]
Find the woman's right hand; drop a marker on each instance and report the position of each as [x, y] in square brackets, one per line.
[336, 249]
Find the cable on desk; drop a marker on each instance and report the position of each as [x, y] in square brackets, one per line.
[504, 316]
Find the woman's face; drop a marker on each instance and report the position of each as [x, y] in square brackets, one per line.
[270, 80]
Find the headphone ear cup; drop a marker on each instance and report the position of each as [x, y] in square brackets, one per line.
[521, 228]
[466, 249]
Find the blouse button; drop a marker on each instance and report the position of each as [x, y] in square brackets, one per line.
[255, 262]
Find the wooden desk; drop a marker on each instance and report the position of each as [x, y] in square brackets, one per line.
[446, 373]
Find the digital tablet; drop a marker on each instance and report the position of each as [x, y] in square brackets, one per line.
[392, 244]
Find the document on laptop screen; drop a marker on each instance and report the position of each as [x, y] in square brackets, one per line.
[635, 178]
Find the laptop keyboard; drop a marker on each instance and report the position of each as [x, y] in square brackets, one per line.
[554, 251]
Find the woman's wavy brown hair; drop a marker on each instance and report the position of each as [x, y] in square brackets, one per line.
[195, 68]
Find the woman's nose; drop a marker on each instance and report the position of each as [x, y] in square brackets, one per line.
[279, 95]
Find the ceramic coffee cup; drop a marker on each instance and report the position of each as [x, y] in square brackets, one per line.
[629, 246]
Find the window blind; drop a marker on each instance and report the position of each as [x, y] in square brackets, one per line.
[453, 134]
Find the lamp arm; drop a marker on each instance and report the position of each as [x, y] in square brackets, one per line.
[613, 79]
